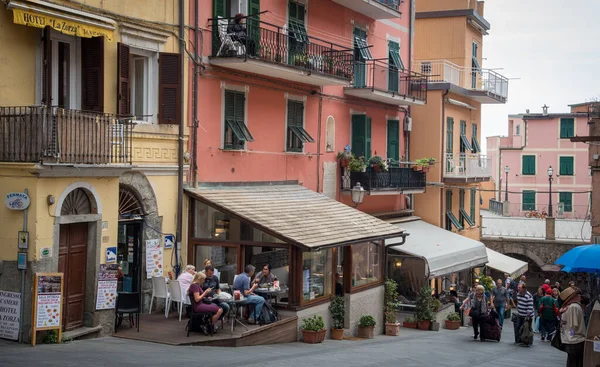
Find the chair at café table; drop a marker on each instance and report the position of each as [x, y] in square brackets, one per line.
[204, 318]
[160, 290]
[175, 296]
[127, 303]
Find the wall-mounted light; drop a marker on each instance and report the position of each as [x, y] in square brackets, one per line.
[50, 200]
[358, 194]
[398, 264]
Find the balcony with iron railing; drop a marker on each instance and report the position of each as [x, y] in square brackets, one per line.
[376, 80]
[52, 135]
[286, 52]
[471, 167]
[375, 9]
[393, 181]
[482, 85]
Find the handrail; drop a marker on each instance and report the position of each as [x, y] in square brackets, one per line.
[379, 75]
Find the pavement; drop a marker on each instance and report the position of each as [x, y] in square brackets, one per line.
[450, 348]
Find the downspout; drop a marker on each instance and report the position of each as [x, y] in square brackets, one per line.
[195, 100]
[179, 231]
[319, 140]
[411, 10]
[443, 156]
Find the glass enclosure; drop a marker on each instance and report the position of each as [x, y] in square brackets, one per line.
[317, 274]
[366, 263]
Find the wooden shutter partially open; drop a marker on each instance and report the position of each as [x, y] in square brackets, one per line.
[123, 96]
[169, 88]
[92, 74]
[47, 69]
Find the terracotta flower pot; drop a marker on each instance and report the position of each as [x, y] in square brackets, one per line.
[425, 169]
[410, 325]
[417, 168]
[337, 334]
[313, 337]
[365, 332]
[392, 329]
[423, 325]
[452, 325]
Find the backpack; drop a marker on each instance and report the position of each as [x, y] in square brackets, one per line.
[525, 333]
[268, 315]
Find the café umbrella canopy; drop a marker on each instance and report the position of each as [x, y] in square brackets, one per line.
[581, 259]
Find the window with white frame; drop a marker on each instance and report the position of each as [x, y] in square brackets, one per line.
[518, 130]
[236, 133]
[296, 135]
[143, 76]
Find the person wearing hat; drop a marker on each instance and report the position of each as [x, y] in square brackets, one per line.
[238, 33]
[548, 312]
[572, 327]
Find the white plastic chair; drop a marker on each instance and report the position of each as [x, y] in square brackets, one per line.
[226, 40]
[176, 296]
[160, 290]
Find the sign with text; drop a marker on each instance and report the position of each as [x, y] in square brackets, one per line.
[10, 306]
[47, 312]
[154, 258]
[17, 201]
[107, 286]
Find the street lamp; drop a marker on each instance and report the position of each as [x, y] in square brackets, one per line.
[506, 170]
[358, 194]
[550, 172]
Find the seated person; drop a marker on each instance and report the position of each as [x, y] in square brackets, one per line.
[199, 296]
[212, 282]
[265, 277]
[208, 262]
[238, 34]
[242, 284]
[185, 278]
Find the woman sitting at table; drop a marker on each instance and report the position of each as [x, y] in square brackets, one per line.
[265, 277]
[199, 297]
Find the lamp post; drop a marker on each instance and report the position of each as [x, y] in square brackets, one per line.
[358, 194]
[506, 170]
[550, 172]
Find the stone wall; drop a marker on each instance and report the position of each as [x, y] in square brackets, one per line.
[369, 302]
[542, 252]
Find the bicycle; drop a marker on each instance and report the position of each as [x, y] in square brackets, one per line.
[535, 214]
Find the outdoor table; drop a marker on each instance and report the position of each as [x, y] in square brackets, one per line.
[235, 306]
[269, 293]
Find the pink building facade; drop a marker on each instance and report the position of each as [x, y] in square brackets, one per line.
[535, 142]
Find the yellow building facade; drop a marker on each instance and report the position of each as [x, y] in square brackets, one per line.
[91, 100]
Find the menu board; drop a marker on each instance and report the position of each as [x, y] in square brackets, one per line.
[10, 307]
[107, 286]
[154, 259]
[48, 312]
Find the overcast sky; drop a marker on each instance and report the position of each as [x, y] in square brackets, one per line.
[553, 46]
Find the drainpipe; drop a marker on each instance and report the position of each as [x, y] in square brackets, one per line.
[411, 10]
[195, 100]
[179, 231]
[319, 140]
[443, 154]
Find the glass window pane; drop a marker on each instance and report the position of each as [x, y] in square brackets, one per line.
[224, 259]
[317, 274]
[366, 263]
[278, 258]
[138, 82]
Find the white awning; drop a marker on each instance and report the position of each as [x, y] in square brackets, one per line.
[444, 252]
[506, 264]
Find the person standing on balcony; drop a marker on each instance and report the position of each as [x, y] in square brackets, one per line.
[238, 33]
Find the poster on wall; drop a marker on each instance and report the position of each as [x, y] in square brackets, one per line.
[154, 258]
[48, 312]
[107, 286]
[10, 306]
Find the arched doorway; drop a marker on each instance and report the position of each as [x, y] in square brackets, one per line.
[129, 254]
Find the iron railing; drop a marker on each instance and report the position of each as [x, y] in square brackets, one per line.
[281, 45]
[484, 80]
[55, 135]
[496, 207]
[396, 178]
[392, 4]
[467, 165]
[379, 75]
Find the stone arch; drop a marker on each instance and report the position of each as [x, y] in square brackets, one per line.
[519, 250]
[139, 185]
[92, 194]
[130, 204]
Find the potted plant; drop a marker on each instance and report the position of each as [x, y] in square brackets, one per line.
[410, 322]
[278, 58]
[301, 60]
[392, 326]
[424, 308]
[453, 321]
[338, 313]
[357, 164]
[366, 325]
[378, 164]
[313, 329]
[343, 158]
[421, 164]
[436, 305]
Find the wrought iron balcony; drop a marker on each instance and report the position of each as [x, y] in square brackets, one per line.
[378, 81]
[375, 9]
[55, 135]
[468, 167]
[396, 179]
[483, 85]
[287, 53]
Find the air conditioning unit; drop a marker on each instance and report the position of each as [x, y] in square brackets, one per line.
[408, 123]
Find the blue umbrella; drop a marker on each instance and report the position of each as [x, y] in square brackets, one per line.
[581, 259]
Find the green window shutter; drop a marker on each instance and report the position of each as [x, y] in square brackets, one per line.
[528, 163]
[368, 139]
[236, 131]
[393, 140]
[528, 200]
[448, 200]
[219, 8]
[295, 118]
[567, 199]
[359, 134]
[566, 166]
[472, 206]
[449, 135]
[296, 12]
[461, 206]
[567, 128]
[254, 22]
[463, 127]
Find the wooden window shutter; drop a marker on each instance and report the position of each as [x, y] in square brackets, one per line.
[219, 8]
[123, 95]
[169, 88]
[229, 105]
[393, 139]
[92, 74]
[47, 69]
[359, 135]
[368, 138]
[239, 109]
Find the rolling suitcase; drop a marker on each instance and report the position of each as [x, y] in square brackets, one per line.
[491, 327]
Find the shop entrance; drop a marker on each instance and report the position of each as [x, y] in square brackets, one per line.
[129, 254]
[72, 260]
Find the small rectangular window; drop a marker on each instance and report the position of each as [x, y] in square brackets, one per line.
[567, 199]
[296, 135]
[566, 166]
[518, 130]
[236, 131]
[528, 200]
[528, 163]
[567, 128]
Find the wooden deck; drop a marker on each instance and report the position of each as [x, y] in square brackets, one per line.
[155, 328]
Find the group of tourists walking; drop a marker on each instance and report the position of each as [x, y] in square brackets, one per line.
[556, 314]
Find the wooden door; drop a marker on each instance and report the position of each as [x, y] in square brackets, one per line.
[72, 260]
